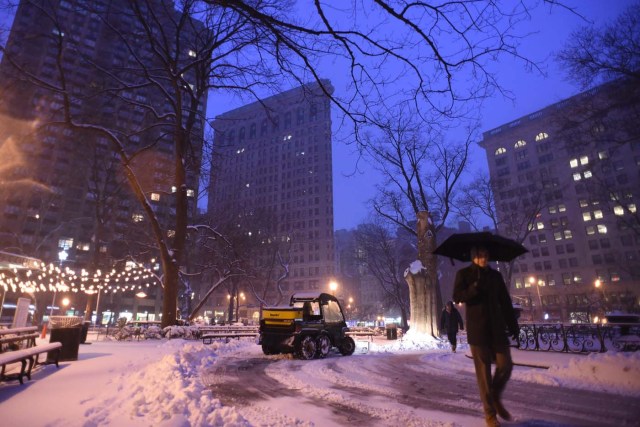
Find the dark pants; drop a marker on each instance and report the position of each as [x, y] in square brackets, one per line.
[491, 388]
[453, 338]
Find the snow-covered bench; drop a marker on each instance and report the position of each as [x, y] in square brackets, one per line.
[27, 352]
[29, 355]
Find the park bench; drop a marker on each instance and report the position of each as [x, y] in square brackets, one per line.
[19, 345]
[362, 333]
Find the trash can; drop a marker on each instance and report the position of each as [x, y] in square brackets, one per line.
[85, 331]
[68, 331]
[392, 331]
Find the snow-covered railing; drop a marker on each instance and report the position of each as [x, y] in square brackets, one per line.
[579, 338]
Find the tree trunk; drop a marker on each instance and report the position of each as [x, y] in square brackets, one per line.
[422, 278]
[170, 293]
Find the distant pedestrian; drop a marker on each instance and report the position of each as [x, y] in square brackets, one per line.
[450, 321]
[489, 314]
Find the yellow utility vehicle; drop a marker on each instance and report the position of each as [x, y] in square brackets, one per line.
[310, 326]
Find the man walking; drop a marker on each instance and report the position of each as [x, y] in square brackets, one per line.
[450, 320]
[489, 314]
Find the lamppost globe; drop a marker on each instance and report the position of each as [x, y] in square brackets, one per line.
[333, 286]
[65, 301]
[598, 283]
[63, 255]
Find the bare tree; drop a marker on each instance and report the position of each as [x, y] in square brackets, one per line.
[386, 260]
[421, 170]
[596, 55]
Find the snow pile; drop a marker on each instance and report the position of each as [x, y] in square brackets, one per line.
[412, 341]
[611, 372]
[415, 267]
[169, 392]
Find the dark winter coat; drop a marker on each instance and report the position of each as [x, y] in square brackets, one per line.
[489, 312]
[449, 322]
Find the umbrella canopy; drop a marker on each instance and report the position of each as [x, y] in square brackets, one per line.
[458, 246]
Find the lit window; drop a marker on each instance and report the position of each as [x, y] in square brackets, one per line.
[103, 249]
[632, 208]
[573, 163]
[557, 235]
[577, 177]
[553, 209]
[500, 150]
[591, 230]
[618, 210]
[586, 216]
[65, 244]
[57, 32]
[541, 136]
[247, 185]
[192, 53]
[155, 197]
[136, 217]
[562, 208]
[603, 155]
[171, 233]
[240, 151]
[602, 229]
[286, 138]
[597, 214]
[587, 174]
[84, 247]
[568, 234]
[540, 225]
[584, 203]
[520, 143]
[173, 189]
[584, 160]
[190, 192]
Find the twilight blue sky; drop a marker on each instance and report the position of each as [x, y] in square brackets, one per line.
[548, 30]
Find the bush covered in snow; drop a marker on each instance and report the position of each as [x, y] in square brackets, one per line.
[186, 332]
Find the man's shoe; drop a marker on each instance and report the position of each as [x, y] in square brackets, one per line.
[453, 348]
[501, 410]
[492, 421]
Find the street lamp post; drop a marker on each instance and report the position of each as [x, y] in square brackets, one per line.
[62, 257]
[599, 286]
[532, 282]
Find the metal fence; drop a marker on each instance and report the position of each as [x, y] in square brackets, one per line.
[579, 338]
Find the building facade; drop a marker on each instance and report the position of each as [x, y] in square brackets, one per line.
[566, 182]
[65, 189]
[271, 180]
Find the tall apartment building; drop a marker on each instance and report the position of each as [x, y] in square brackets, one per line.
[65, 189]
[272, 174]
[569, 173]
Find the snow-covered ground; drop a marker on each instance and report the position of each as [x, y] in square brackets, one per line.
[169, 383]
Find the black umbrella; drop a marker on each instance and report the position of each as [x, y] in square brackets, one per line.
[500, 248]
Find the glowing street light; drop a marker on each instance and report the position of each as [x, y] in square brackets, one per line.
[333, 286]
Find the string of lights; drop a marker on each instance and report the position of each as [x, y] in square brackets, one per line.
[49, 277]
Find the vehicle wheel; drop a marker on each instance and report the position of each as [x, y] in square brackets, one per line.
[306, 348]
[347, 346]
[323, 344]
[268, 350]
